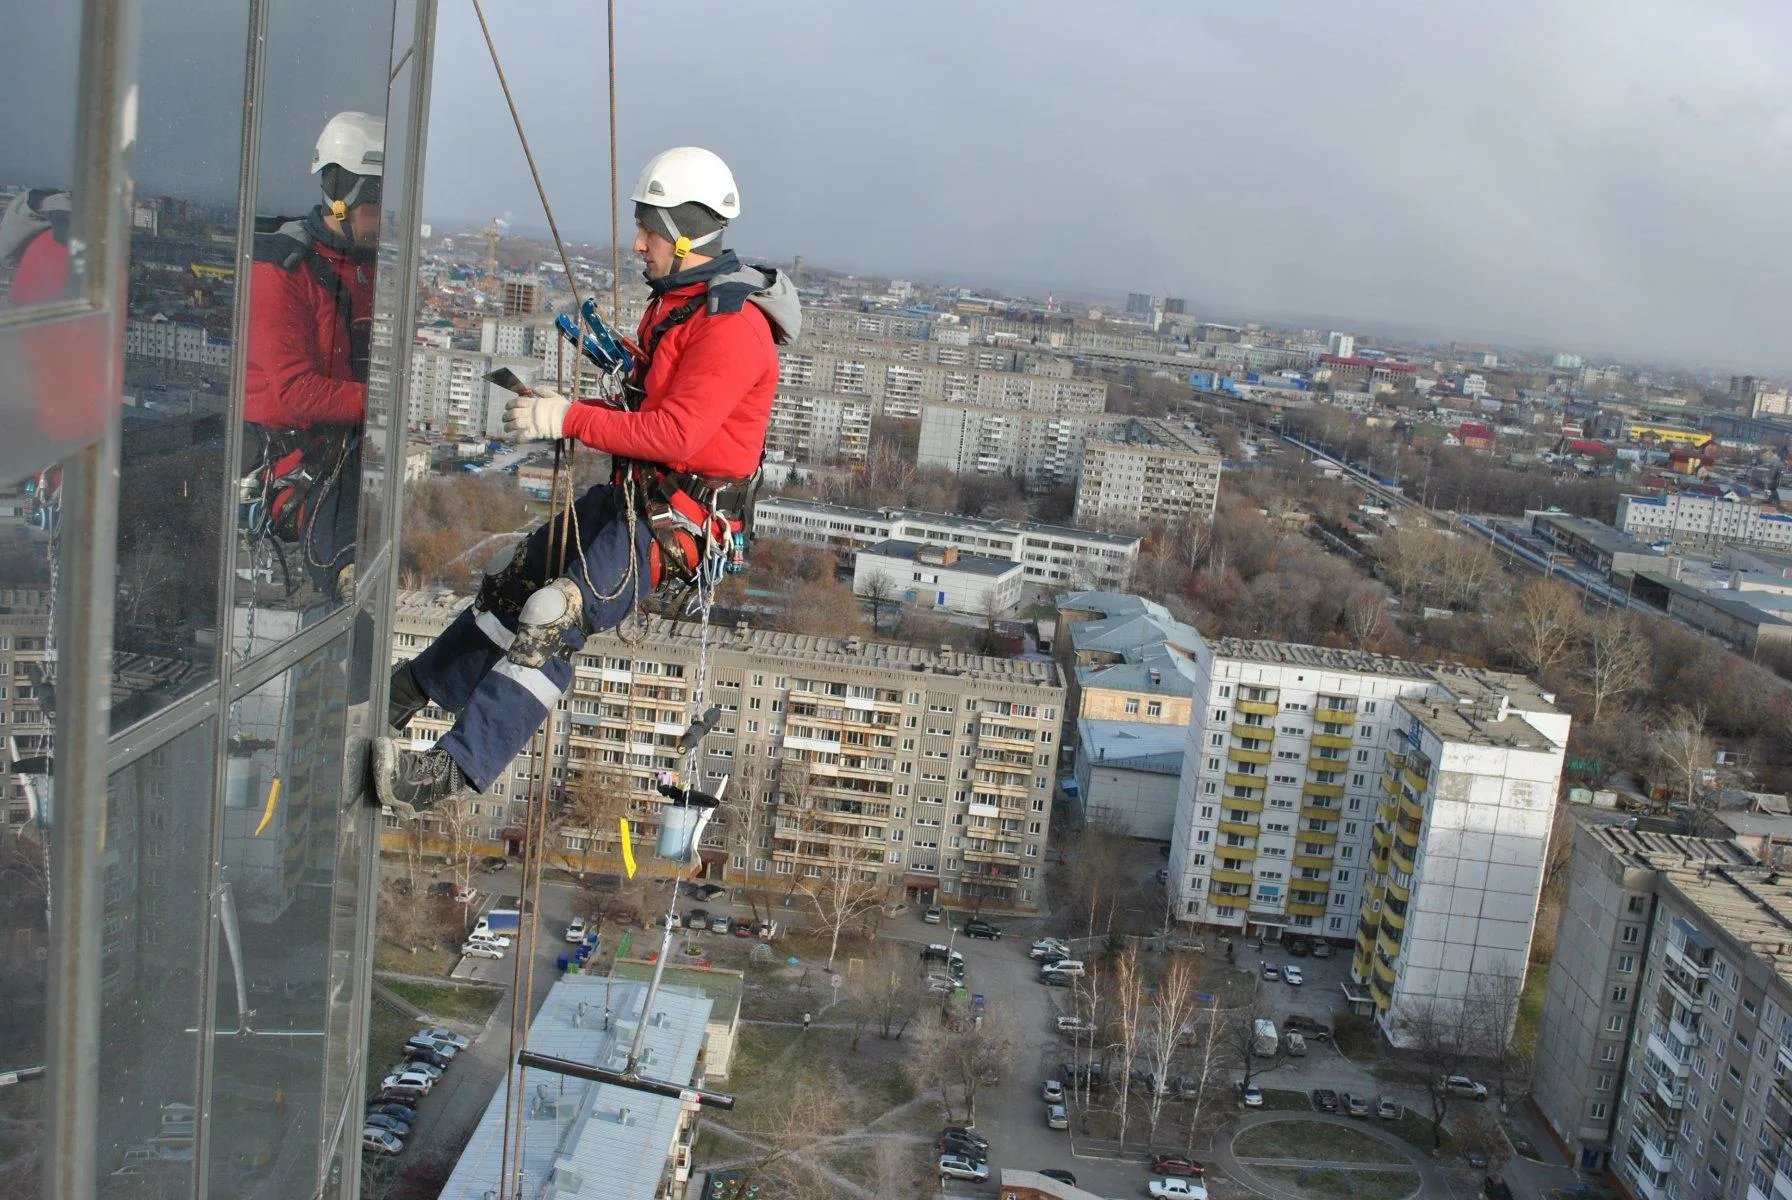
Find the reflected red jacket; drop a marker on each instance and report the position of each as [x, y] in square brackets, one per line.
[709, 389]
[303, 370]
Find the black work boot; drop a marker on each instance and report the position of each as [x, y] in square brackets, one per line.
[411, 782]
[404, 699]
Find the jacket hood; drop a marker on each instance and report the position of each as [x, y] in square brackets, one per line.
[768, 288]
[329, 239]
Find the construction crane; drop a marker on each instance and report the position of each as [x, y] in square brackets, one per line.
[492, 233]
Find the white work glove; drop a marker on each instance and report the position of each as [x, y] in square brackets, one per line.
[539, 416]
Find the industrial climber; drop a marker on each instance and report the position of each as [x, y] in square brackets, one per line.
[686, 441]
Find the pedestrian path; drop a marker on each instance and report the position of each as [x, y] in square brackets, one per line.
[1433, 1182]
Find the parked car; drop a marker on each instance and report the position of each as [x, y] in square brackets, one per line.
[1066, 966]
[459, 1041]
[1250, 1095]
[1178, 1164]
[1060, 1176]
[1049, 948]
[477, 949]
[704, 891]
[1323, 949]
[1054, 979]
[426, 1056]
[1308, 1028]
[933, 914]
[575, 930]
[1052, 1091]
[422, 1041]
[958, 1166]
[465, 895]
[391, 1125]
[1075, 1025]
[1462, 1085]
[391, 1108]
[380, 1141]
[1176, 1189]
[1271, 971]
[442, 887]
[1325, 1100]
[1163, 874]
[942, 983]
[1186, 1087]
[744, 928]
[1057, 1117]
[1475, 1158]
[494, 862]
[397, 1094]
[697, 918]
[1292, 976]
[968, 1136]
[938, 952]
[429, 1069]
[981, 929]
[1355, 1105]
[1300, 947]
[718, 923]
[1388, 1109]
[1295, 1045]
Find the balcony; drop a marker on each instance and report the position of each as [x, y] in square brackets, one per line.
[1335, 716]
[1319, 812]
[1332, 790]
[1649, 1184]
[1393, 761]
[1250, 804]
[1380, 995]
[1386, 945]
[1407, 839]
[1659, 1156]
[1401, 860]
[1397, 890]
[1380, 836]
[1385, 971]
[1247, 853]
[1321, 837]
[1393, 918]
[1223, 875]
[992, 855]
[1261, 708]
[1245, 780]
[1315, 862]
[1391, 785]
[1417, 782]
[1303, 908]
[1262, 732]
[1667, 1055]
[1240, 828]
[1239, 754]
[1332, 741]
[1412, 810]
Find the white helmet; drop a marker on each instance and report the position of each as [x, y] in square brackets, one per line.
[354, 141]
[689, 175]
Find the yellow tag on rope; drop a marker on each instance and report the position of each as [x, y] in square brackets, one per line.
[628, 849]
[267, 814]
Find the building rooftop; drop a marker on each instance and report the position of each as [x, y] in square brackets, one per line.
[723, 987]
[580, 1138]
[1132, 745]
[951, 521]
[970, 564]
[1168, 436]
[1598, 534]
[1154, 651]
[1484, 708]
[1328, 658]
[438, 608]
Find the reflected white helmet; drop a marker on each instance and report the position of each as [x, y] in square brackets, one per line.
[354, 141]
[688, 175]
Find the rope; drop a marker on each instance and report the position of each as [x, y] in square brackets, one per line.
[615, 199]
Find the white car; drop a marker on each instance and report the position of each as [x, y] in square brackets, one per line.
[409, 1079]
[958, 1166]
[500, 940]
[380, 1141]
[1049, 948]
[421, 1068]
[480, 950]
[1075, 1025]
[1291, 975]
[1052, 1092]
[575, 932]
[446, 1049]
[459, 1041]
[465, 895]
[1181, 1189]
[1462, 1085]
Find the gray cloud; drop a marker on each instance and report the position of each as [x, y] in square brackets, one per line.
[1604, 176]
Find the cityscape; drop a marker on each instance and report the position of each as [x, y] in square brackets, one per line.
[1014, 740]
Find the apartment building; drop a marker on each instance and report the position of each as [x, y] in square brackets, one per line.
[1685, 518]
[888, 326]
[918, 770]
[1125, 658]
[1305, 764]
[1041, 448]
[24, 655]
[1147, 470]
[817, 427]
[1052, 555]
[899, 388]
[1685, 1088]
[449, 392]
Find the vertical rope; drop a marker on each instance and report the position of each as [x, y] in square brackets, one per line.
[615, 186]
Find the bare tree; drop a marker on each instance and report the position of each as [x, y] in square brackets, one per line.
[1366, 614]
[1207, 1037]
[595, 803]
[1548, 622]
[887, 992]
[1239, 1034]
[1615, 664]
[1443, 1036]
[879, 591]
[959, 1057]
[1097, 860]
[1172, 1014]
[1129, 1012]
[842, 902]
[1684, 751]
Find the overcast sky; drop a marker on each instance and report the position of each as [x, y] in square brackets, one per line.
[1603, 175]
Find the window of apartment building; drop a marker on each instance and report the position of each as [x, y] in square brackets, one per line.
[1213, 764]
[1225, 691]
[1620, 993]
[1132, 705]
[1362, 756]
[1597, 1110]
[1358, 780]
[1154, 708]
[1615, 1023]
[1630, 934]
[1626, 963]
[1608, 1052]
[1216, 739]
[1636, 905]
[1602, 1082]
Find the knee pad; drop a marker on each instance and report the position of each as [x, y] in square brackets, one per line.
[551, 619]
[505, 571]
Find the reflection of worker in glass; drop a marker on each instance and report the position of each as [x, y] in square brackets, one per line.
[311, 312]
[34, 245]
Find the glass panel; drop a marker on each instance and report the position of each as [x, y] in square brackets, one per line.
[275, 997]
[178, 351]
[40, 76]
[311, 320]
[27, 510]
[157, 860]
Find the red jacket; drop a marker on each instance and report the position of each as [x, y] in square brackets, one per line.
[709, 391]
[299, 370]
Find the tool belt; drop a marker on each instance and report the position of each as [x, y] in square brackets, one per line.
[288, 475]
[694, 519]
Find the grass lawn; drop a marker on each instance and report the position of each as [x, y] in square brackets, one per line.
[455, 1002]
[770, 1061]
[387, 1031]
[1230, 986]
[1530, 1010]
[1414, 1127]
[1281, 1100]
[389, 956]
[1334, 1184]
[1353, 1035]
[1317, 1140]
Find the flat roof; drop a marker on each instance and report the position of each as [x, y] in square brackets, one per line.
[949, 521]
[1598, 534]
[1325, 657]
[969, 564]
[1132, 745]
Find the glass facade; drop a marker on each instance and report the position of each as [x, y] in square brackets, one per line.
[200, 359]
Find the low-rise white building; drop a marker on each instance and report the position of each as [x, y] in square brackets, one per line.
[931, 576]
[1706, 521]
[1129, 772]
